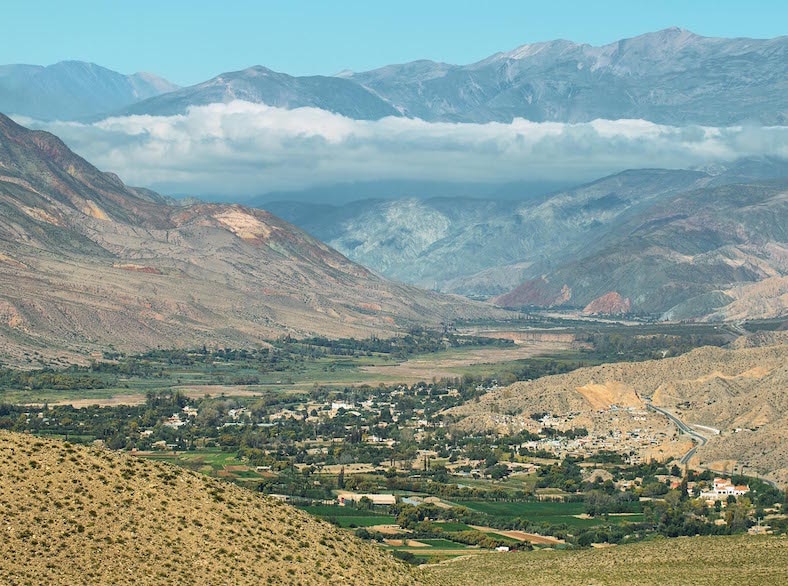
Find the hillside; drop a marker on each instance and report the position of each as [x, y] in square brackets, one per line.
[717, 252]
[686, 244]
[705, 561]
[741, 392]
[87, 264]
[76, 515]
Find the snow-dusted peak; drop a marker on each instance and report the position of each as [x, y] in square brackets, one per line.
[533, 49]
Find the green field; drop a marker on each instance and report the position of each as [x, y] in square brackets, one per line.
[363, 521]
[210, 461]
[449, 526]
[554, 513]
[337, 511]
[443, 544]
[348, 517]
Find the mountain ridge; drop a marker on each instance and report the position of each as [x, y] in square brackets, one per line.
[88, 263]
[672, 76]
[70, 90]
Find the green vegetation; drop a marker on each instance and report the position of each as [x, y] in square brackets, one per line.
[306, 442]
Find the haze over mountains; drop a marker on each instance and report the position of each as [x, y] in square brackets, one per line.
[71, 90]
[670, 241]
[704, 242]
[88, 263]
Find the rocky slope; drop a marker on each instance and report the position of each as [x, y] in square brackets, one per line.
[87, 263]
[742, 392]
[715, 253]
[673, 242]
[73, 89]
[76, 515]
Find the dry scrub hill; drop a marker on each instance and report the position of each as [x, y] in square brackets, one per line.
[699, 560]
[75, 515]
[743, 389]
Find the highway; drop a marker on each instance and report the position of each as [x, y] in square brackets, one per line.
[700, 439]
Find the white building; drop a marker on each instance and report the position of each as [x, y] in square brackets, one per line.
[722, 489]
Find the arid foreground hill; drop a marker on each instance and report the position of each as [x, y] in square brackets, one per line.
[741, 392]
[75, 515]
[87, 263]
[701, 561]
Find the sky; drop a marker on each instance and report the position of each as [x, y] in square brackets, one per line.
[239, 150]
[189, 41]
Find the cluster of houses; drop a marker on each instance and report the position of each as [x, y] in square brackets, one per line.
[632, 438]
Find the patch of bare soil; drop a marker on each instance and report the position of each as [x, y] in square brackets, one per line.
[419, 369]
[521, 535]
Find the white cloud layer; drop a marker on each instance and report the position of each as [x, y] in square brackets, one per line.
[240, 148]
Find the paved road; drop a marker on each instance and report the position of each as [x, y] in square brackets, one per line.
[700, 439]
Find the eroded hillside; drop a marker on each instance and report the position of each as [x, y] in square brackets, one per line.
[742, 393]
[87, 264]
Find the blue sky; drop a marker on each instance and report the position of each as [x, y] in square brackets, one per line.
[191, 41]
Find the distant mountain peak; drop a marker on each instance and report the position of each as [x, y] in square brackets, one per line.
[72, 89]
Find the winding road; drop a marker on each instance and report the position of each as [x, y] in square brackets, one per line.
[697, 437]
[700, 439]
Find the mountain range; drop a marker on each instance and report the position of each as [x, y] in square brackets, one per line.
[679, 243]
[671, 76]
[72, 90]
[87, 263]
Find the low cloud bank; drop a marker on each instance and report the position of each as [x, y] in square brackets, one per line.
[241, 149]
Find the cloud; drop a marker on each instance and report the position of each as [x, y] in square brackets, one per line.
[240, 148]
